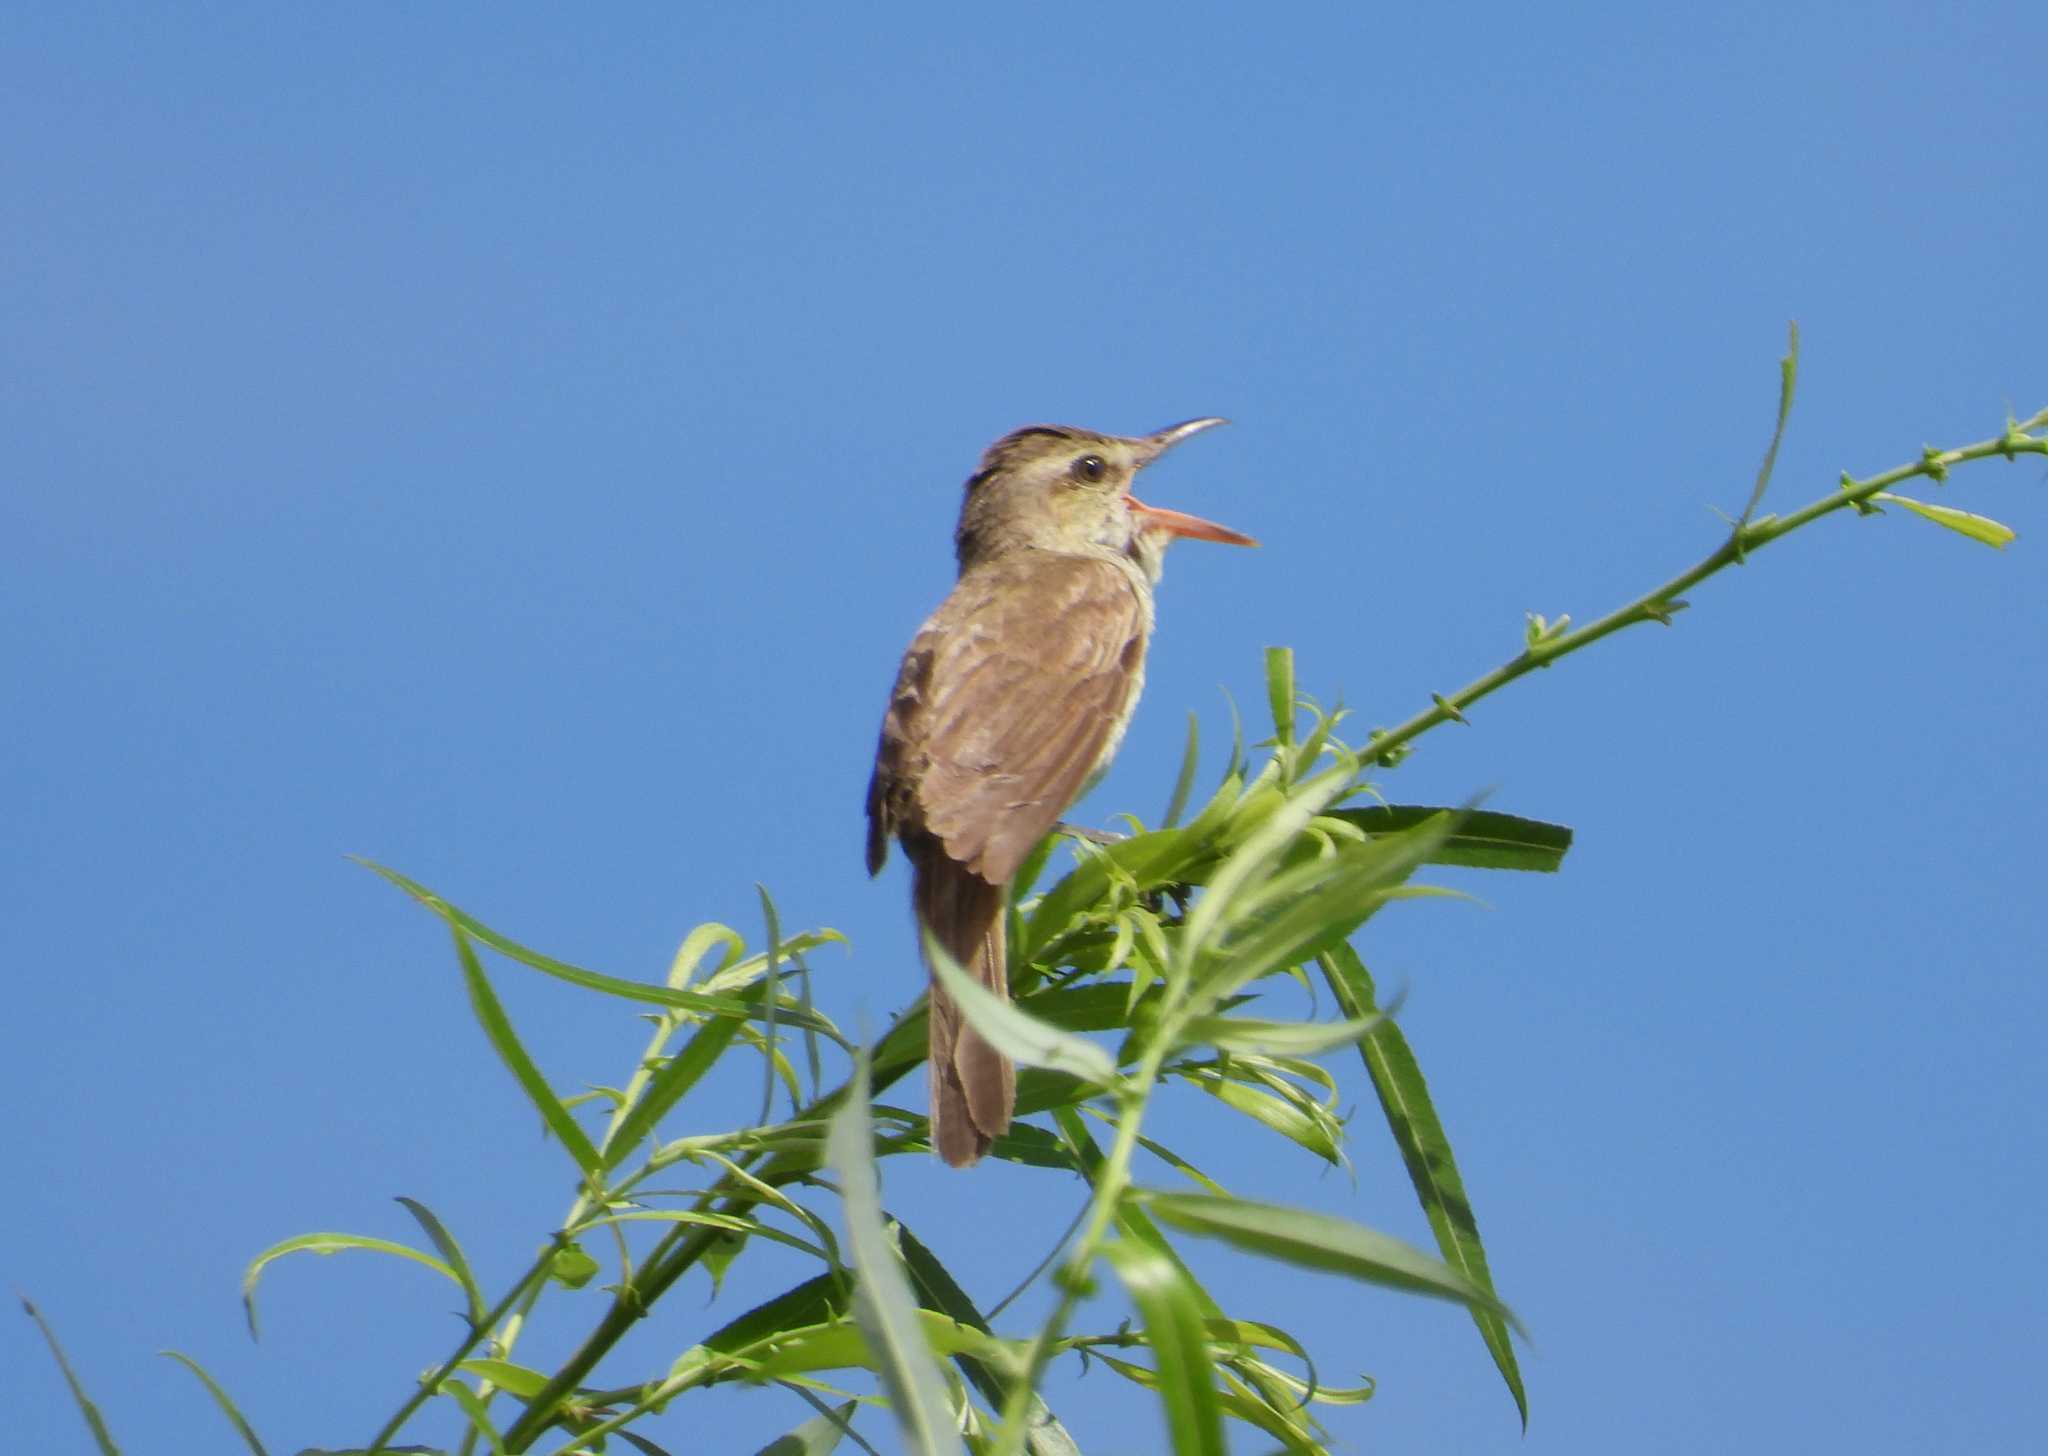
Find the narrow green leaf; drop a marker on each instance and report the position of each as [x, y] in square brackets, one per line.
[703, 1004]
[744, 972]
[668, 1086]
[1234, 768]
[696, 945]
[887, 1314]
[1131, 1221]
[817, 1300]
[1426, 1152]
[1287, 1117]
[770, 1003]
[1788, 376]
[1082, 1006]
[1216, 813]
[1286, 1429]
[1977, 528]
[818, 1436]
[478, 1414]
[451, 1254]
[1180, 1348]
[94, 1422]
[1325, 901]
[330, 1244]
[520, 1380]
[1312, 746]
[1022, 883]
[1147, 859]
[1482, 839]
[1315, 1240]
[813, 1061]
[1280, 692]
[1255, 858]
[936, 1290]
[1165, 1155]
[1184, 783]
[1039, 1090]
[505, 1041]
[1015, 1032]
[845, 1345]
[222, 1399]
[1278, 1038]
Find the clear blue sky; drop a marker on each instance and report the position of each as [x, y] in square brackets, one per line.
[516, 447]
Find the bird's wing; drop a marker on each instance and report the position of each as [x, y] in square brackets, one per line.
[1024, 681]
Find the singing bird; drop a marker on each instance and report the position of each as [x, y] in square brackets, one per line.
[1009, 704]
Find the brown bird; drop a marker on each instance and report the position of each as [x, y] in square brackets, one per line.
[1010, 703]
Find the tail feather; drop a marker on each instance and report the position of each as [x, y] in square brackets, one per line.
[973, 1086]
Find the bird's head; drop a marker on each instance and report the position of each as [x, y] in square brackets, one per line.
[1057, 488]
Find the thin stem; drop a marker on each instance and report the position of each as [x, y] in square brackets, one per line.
[675, 1254]
[535, 1275]
[1030, 1279]
[1110, 1181]
[1660, 603]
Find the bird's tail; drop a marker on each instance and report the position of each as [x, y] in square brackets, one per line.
[974, 1086]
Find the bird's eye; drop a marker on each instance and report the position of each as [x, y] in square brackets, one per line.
[1091, 467]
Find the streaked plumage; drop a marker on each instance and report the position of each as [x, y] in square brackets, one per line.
[1011, 699]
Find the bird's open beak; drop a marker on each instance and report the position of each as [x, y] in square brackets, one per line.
[1179, 523]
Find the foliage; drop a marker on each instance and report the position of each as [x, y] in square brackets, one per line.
[1152, 962]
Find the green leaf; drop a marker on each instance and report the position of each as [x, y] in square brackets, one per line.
[1320, 903]
[1234, 767]
[1788, 376]
[887, 1314]
[478, 1415]
[771, 1004]
[936, 1290]
[816, 1436]
[1148, 860]
[1015, 1032]
[1277, 1038]
[222, 1399]
[1280, 692]
[1082, 1006]
[1977, 528]
[1167, 1156]
[1255, 859]
[1288, 1117]
[1288, 1429]
[1234, 1340]
[1426, 1152]
[452, 1255]
[329, 1244]
[1315, 1240]
[571, 1267]
[1175, 1330]
[1184, 783]
[1481, 839]
[846, 1346]
[1133, 1222]
[819, 1299]
[696, 945]
[668, 1087]
[505, 1041]
[699, 1002]
[94, 1422]
[520, 1380]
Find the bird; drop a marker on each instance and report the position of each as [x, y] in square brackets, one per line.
[1009, 704]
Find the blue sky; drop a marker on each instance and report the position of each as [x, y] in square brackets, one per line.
[517, 447]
